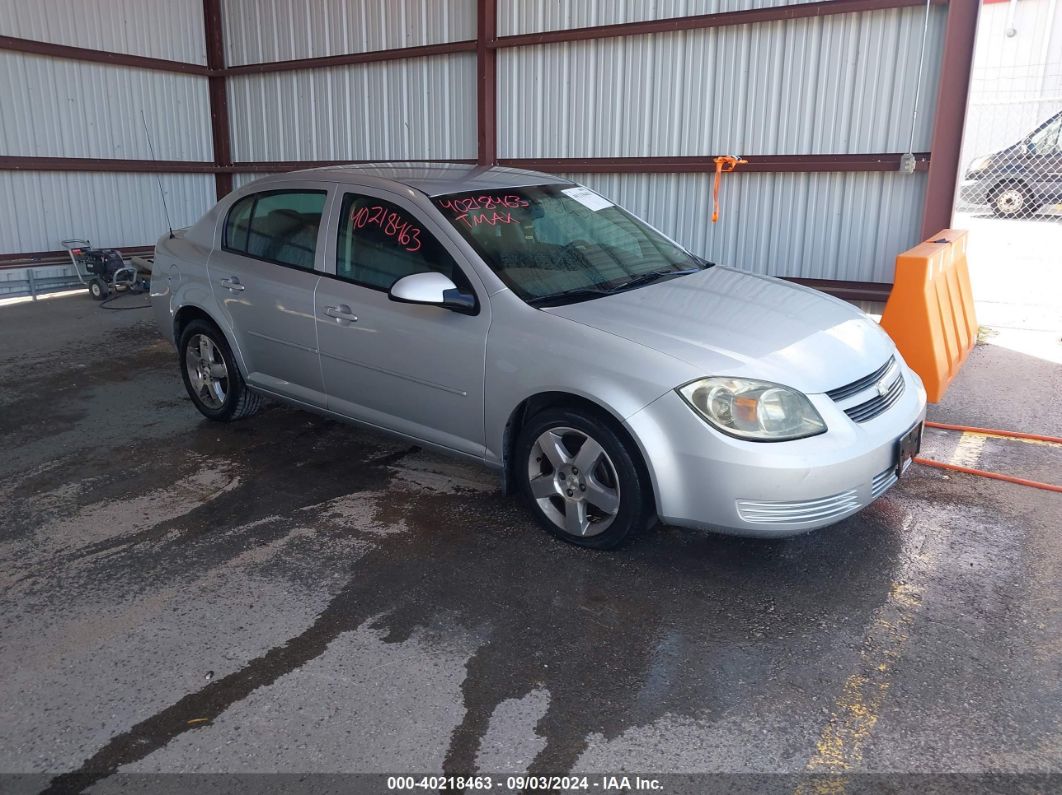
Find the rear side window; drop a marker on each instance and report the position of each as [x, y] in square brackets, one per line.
[379, 243]
[276, 226]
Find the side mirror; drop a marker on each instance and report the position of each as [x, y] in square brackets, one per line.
[433, 289]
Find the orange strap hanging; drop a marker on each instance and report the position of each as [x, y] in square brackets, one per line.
[723, 163]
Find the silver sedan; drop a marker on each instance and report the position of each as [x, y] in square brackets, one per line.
[523, 321]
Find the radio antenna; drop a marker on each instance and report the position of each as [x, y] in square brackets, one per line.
[158, 179]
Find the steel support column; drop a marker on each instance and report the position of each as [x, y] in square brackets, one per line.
[487, 82]
[952, 94]
[219, 100]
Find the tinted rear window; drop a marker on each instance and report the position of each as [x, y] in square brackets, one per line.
[276, 226]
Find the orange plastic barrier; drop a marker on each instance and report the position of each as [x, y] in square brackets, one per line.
[930, 312]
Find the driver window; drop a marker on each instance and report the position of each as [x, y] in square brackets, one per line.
[379, 243]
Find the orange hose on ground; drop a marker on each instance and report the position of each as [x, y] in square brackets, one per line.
[993, 432]
[993, 475]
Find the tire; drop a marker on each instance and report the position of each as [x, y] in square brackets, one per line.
[591, 498]
[1012, 200]
[98, 289]
[211, 375]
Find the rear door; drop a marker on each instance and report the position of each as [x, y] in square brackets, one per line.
[264, 277]
[410, 368]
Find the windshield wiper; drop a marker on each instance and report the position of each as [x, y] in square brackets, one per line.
[570, 296]
[653, 276]
[587, 293]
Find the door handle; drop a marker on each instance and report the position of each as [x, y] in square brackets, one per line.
[341, 312]
[232, 284]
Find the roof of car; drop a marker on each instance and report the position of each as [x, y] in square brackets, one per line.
[434, 179]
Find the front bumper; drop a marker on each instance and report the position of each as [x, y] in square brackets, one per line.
[974, 191]
[705, 479]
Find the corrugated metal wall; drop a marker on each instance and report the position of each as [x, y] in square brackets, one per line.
[38, 209]
[841, 84]
[64, 108]
[838, 84]
[535, 16]
[280, 30]
[239, 180]
[423, 108]
[834, 225]
[171, 29]
[61, 108]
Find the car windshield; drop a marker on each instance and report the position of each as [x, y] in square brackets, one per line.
[554, 244]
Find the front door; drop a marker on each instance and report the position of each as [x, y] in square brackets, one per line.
[417, 370]
[263, 276]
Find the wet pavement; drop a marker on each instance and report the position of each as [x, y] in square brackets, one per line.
[290, 594]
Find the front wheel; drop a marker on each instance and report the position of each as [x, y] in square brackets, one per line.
[1011, 201]
[98, 289]
[211, 375]
[582, 479]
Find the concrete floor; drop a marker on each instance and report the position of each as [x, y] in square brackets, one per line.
[1017, 279]
[292, 594]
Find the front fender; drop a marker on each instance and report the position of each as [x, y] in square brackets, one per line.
[534, 353]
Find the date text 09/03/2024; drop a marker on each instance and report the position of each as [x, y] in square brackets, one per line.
[604, 783]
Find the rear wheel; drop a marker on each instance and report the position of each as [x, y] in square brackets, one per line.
[211, 375]
[581, 478]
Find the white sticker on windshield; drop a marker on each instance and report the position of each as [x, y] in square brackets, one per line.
[587, 198]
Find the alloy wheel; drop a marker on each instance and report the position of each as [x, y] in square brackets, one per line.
[207, 372]
[574, 481]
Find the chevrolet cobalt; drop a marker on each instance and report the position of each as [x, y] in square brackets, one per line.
[521, 320]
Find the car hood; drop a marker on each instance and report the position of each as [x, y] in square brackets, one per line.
[725, 322]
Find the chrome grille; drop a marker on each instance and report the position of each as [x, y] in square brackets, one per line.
[877, 404]
[757, 512]
[869, 409]
[865, 382]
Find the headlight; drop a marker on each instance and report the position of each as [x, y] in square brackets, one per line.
[980, 164]
[755, 410]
